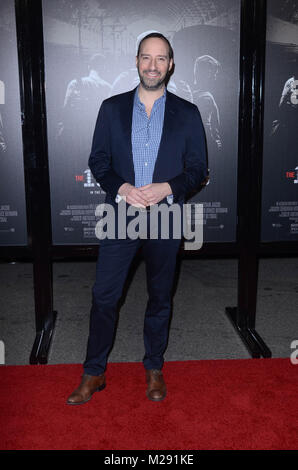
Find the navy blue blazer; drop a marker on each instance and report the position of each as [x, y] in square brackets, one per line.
[181, 159]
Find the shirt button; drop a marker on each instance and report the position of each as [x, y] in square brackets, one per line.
[146, 163]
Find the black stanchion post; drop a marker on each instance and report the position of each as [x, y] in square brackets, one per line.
[31, 69]
[252, 63]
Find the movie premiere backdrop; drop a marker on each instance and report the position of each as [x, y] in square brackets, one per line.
[13, 227]
[280, 164]
[90, 48]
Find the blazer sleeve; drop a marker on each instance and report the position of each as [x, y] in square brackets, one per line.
[195, 163]
[100, 159]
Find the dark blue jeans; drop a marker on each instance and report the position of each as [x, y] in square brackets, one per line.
[114, 260]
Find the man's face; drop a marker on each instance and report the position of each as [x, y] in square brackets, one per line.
[153, 63]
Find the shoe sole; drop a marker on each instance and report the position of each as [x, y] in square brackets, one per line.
[155, 399]
[99, 389]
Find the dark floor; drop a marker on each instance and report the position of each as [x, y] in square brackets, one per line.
[199, 327]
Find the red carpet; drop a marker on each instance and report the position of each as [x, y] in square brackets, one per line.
[232, 404]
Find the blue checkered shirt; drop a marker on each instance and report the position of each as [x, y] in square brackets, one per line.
[145, 138]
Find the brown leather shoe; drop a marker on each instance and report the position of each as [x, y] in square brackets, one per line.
[88, 385]
[156, 390]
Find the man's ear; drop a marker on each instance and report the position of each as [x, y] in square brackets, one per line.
[171, 64]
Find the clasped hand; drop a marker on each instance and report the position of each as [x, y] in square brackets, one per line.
[144, 195]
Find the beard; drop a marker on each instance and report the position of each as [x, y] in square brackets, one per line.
[152, 83]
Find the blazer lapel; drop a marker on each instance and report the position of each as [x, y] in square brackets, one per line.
[126, 112]
[168, 125]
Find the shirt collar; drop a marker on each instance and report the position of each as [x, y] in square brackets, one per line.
[160, 100]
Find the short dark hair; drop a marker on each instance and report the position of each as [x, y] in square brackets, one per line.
[160, 36]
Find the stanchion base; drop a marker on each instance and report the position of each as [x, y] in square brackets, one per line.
[251, 339]
[42, 343]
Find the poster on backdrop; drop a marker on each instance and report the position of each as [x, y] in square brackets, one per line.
[13, 228]
[90, 49]
[280, 164]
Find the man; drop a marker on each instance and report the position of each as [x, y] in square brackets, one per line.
[286, 124]
[80, 105]
[148, 148]
[130, 78]
[206, 69]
